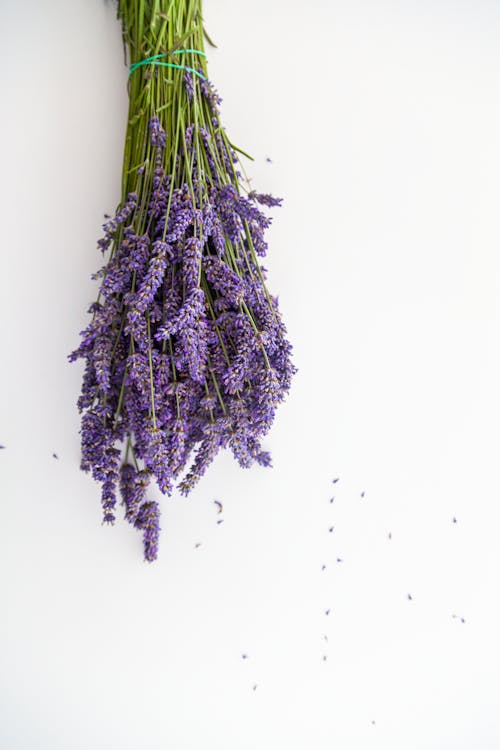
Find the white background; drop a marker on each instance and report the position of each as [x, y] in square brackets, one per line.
[382, 120]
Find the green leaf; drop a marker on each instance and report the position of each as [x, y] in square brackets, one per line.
[205, 34]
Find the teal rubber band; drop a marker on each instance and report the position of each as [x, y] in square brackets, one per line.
[166, 65]
[155, 61]
[196, 52]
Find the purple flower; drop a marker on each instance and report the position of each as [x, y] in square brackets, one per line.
[191, 261]
[207, 451]
[210, 94]
[121, 216]
[157, 134]
[224, 280]
[153, 277]
[189, 84]
[156, 459]
[103, 349]
[133, 486]
[193, 307]
[178, 444]
[148, 520]
[265, 199]
[194, 341]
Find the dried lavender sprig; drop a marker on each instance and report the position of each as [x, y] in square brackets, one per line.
[186, 352]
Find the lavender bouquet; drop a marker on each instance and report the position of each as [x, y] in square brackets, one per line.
[186, 352]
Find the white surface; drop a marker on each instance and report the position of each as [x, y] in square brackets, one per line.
[382, 120]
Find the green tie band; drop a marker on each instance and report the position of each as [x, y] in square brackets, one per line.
[154, 60]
